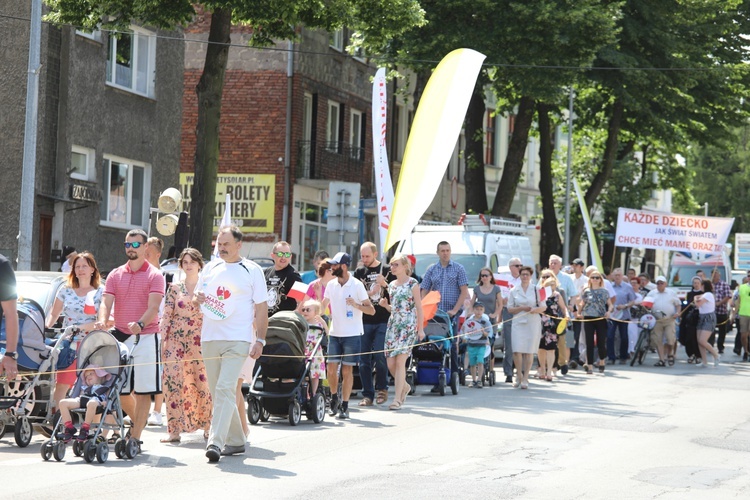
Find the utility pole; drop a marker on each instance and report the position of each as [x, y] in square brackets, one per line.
[566, 241]
[28, 174]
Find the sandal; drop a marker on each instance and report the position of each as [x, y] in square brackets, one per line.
[396, 405]
[691, 359]
[589, 370]
[670, 360]
[365, 402]
[660, 363]
[382, 397]
[170, 439]
[601, 368]
[113, 438]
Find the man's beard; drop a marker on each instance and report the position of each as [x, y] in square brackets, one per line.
[132, 256]
[339, 273]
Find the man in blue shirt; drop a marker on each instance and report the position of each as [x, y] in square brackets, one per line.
[624, 299]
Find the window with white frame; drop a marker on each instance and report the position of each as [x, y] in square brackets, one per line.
[333, 124]
[131, 61]
[357, 135]
[336, 40]
[95, 35]
[82, 163]
[126, 185]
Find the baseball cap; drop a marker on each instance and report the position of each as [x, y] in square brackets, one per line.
[661, 278]
[341, 258]
[578, 262]
[479, 303]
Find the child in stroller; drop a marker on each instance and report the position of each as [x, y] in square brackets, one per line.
[311, 313]
[93, 395]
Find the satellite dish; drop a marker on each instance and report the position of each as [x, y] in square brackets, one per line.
[170, 201]
[167, 225]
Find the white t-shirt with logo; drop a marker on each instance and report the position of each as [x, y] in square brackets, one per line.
[341, 326]
[232, 290]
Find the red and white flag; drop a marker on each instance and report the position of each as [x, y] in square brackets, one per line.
[545, 293]
[88, 304]
[298, 291]
[503, 283]
[648, 302]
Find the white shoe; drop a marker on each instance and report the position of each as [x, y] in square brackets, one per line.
[155, 419]
[716, 360]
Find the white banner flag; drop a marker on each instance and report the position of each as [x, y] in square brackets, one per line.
[383, 184]
[686, 233]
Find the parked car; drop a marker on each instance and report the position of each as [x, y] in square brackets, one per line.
[41, 287]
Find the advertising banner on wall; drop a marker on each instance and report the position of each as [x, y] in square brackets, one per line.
[253, 200]
[686, 233]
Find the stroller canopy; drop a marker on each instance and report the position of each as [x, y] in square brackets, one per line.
[102, 349]
[287, 327]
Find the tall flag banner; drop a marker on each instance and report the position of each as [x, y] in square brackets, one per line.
[434, 132]
[589, 228]
[383, 184]
[226, 221]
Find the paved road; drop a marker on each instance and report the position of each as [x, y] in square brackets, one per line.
[643, 432]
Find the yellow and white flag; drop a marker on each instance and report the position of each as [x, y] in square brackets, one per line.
[437, 125]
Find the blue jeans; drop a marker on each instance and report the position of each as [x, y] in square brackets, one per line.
[373, 339]
[622, 327]
[508, 342]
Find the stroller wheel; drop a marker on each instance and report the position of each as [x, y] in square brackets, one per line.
[2, 428]
[131, 448]
[253, 410]
[441, 384]
[59, 450]
[295, 412]
[462, 377]
[318, 405]
[120, 448]
[77, 448]
[102, 452]
[410, 381]
[89, 451]
[492, 378]
[22, 432]
[46, 451]
[454, 383]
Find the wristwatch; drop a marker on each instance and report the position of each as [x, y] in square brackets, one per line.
[261, 342]
[12, 354]
[140, 323]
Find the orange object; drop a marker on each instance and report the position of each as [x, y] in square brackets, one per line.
[430, 305]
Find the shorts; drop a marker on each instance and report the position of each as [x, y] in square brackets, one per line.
[145, 372]
[665, 327]
[744, 324]
[344, 350]
[476, 354]
[68, 376]
[84, 400]
[706, 322]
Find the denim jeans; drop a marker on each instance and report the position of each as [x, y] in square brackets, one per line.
[373, 339]
[622, 328]
[508, 342]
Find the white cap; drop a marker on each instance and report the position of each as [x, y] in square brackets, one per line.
[661, 278]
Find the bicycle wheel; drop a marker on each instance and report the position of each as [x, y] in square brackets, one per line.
[637, 354]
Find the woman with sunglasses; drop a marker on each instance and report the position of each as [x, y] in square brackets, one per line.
[317, 289]
[524, 305]
[706, 304]
[594, 307]
[489, 294]
[553, 314]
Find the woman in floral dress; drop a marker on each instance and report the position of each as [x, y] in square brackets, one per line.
[184, 375]
[550, 319]
[404, 325]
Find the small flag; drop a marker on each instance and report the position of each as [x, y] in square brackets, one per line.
[648, 302]
[88, 305]
[298, 291]
[545, 293]
[503, 283]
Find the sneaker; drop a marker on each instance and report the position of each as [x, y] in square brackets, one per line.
[564, 369]
[365, 402]
[508, 380]
[744, 357]
[716, 360]
[83, 435]
[343, 414]
[155, 419]
[232, 450]
[480, 386]
[334, 406]
[67, 434]
[213, 453]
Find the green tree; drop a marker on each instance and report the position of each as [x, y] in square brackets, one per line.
[376, 21]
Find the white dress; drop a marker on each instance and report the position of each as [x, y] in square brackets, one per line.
[526, 327]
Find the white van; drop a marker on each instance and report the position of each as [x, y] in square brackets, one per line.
[475, 241]
[684, 265]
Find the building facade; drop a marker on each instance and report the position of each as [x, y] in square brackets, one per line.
[110, 113]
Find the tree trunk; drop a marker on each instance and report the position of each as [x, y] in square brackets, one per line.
[551, 243]
[476, 192]
[514, 161]
[209, 89]
[601, 177]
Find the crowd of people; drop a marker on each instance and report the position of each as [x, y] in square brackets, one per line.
[199, 336]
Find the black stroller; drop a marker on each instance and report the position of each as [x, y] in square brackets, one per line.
[281, 382]
[101, 349]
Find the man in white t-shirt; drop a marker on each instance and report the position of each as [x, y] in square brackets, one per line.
[232, 294]
[666, 307]
[348, 299]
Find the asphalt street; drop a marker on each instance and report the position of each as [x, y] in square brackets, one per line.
[642, 432]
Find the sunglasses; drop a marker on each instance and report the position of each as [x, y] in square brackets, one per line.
[135, 244]
[283, 254]
[484, 275]
[595, 278]
[516, 265]
[307, 309]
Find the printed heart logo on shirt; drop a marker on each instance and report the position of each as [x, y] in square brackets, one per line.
[471, 324]
[226, 294]
[222, 293]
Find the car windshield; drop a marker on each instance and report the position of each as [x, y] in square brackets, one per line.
[34, 290]
[472, 263]
[683, 275]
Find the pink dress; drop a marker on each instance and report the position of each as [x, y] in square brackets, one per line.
[186, 393]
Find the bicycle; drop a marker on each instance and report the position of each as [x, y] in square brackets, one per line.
[643, 344]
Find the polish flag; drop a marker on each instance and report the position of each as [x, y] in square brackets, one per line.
[648, 302]
[298, 291]
[545, 293]
[503, 283]
[88, 305]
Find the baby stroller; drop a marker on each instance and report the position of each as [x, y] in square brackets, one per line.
[101, 349]
[281, 385]
[430, 362]
[26, 402]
